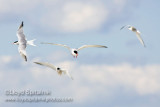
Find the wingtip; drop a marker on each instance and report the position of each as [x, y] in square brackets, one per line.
[35, 62]
[122, 27]
[25, 58]
[39, 63]
[104, 47]
[21, 25]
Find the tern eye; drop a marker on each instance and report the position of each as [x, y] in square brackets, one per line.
[58, 68]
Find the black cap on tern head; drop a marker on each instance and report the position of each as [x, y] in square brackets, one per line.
[58, 68]
[15, 41]
[75, 52]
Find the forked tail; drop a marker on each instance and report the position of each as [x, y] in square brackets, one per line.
[31, 42]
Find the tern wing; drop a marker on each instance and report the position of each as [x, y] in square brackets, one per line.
[87, 46]
[22, 52]
[47, 65]
[139, 37]
[124, 26]
[22, 42]
[20, 35]
[58, 45]
[67, 73]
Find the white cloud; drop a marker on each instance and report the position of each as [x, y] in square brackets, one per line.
[63, 16]
[82, 16]
[141, 79]
[77, 16]
[6, 59]
[89, 81]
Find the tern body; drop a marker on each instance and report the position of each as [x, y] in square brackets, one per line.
[138, 34]
[57, 69]
[74, 51]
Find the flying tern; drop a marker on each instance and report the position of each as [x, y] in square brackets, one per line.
[74, 51]
[138, 34]
[58, 69]
[22, 42]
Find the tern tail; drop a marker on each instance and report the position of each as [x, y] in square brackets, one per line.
[31, 42]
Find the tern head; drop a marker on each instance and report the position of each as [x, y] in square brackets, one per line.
[75, 53]
[16, 43]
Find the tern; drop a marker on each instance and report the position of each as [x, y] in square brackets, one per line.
[138, 34]
[74, 51]
[22, 42]
[59, 70]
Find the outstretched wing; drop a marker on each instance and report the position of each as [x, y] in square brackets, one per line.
[58, 45]
[67, 73]
[22, 42]
[21, 36]
[23, 54]
[46, 64]
[88, 46]
[139, 37]
[124, 26]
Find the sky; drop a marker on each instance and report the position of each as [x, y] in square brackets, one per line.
[123, 75]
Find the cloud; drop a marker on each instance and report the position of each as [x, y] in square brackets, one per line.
[63, 16]
[90, 80]
[6, 59]
[82, 16]
[76, 16]
[141, 80]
